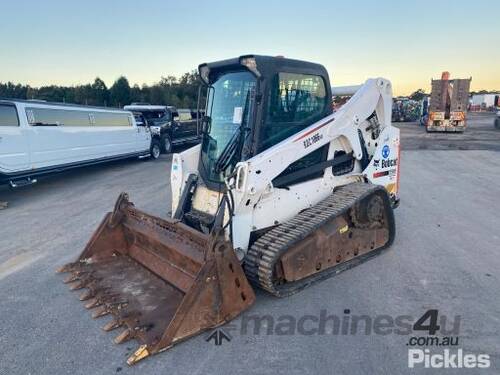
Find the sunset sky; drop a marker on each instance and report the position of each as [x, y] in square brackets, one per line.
[409, 42]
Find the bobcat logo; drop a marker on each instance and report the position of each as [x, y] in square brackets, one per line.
[386, 151]
[376, 163]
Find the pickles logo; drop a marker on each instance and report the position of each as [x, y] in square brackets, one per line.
[447, 359]
[428, 352]
[386, 151]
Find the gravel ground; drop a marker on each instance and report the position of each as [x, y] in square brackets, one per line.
[445, 257]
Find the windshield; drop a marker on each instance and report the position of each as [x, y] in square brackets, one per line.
[230, 99]
[153, 115]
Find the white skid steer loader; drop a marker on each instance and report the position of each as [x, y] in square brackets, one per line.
[282, 192]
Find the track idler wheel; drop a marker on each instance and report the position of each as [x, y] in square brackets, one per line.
[369, 212]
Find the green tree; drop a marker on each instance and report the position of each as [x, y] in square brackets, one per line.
[168, 81]
[180, 92]
[11, 90]
[418, 95]
[83, 94]
[136, 94]
[99, 94]
[120, 92]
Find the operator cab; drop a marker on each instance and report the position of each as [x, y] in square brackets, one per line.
[255, 102]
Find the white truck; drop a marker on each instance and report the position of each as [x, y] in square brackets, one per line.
[39, 138]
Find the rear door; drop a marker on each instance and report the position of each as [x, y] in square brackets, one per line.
[14, 146]
[143, 137]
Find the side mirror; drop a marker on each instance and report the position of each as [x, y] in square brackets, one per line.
[201, 119]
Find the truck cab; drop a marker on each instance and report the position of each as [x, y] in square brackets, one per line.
[169, 126]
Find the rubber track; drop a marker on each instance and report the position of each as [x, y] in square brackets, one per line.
[260, 261]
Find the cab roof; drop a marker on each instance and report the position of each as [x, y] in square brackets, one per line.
[266, 66]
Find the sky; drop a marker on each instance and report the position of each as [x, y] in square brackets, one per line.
[408, 42]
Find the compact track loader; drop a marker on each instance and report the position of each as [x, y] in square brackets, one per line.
[281, 193]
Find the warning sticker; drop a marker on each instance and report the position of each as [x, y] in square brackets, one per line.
[237, 115]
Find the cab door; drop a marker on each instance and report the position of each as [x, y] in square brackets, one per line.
[14, 145]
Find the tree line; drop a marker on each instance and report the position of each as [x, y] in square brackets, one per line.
[420, 94]
[180, 92]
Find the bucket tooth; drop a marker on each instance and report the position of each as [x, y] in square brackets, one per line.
[80, 284]
[86, 295]
[101, 311]
[139, 354]
[124, 336]
[68, 267]
[75, 275]
[83, 281]
[71, 278]
[112, 325]
[94, 302]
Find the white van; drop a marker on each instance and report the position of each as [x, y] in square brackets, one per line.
[38, 138]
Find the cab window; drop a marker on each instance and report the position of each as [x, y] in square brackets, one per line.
[295, 102]
[8, 115]
[185, 116]
[60, 117]
[182, 115]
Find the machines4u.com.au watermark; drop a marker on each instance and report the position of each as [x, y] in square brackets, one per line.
[433, 339]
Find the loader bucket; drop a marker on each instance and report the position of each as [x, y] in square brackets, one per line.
[161, 280]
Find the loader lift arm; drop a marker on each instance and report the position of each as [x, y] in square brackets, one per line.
[254, 178]
[259, 171]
